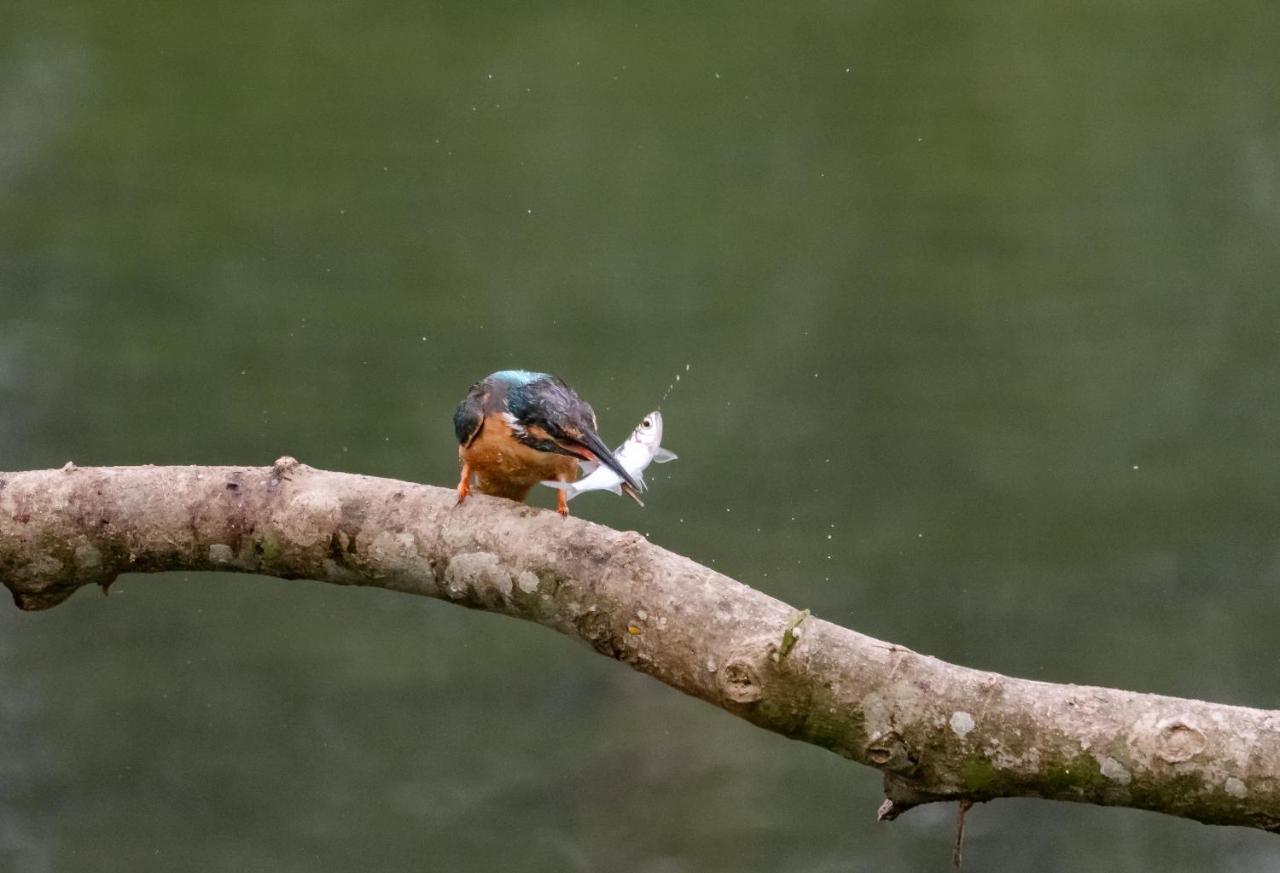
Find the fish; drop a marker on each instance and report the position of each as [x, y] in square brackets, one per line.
[642, 448]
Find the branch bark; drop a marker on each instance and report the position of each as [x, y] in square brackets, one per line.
[937, 731]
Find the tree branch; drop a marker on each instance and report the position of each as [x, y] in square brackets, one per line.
[937, 731]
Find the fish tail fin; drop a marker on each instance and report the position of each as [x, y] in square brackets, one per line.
[568, 488]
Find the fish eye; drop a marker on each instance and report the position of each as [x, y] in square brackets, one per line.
[646, 423]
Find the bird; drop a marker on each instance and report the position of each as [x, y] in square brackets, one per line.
[516, 428]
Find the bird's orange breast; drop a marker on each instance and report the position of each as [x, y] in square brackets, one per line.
[505, 467]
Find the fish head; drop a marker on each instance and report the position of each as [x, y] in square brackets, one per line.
[648, 432]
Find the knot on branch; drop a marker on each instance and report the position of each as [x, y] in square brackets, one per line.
[281, 469]
[740, 680]
[758, 661]
[1178, 739]
[889, 752]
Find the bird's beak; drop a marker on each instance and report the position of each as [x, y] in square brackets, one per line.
[593, 444]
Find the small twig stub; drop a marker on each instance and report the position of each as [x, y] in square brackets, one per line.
[791, 634]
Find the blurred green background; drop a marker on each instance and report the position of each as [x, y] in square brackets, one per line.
[975, 313]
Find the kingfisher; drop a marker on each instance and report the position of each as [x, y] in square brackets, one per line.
[516, 428]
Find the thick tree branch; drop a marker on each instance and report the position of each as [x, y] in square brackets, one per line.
[937, 731]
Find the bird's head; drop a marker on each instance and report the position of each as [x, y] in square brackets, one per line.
[547, 405]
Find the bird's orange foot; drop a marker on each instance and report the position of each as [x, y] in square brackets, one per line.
[562, 504]
[464, 484]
